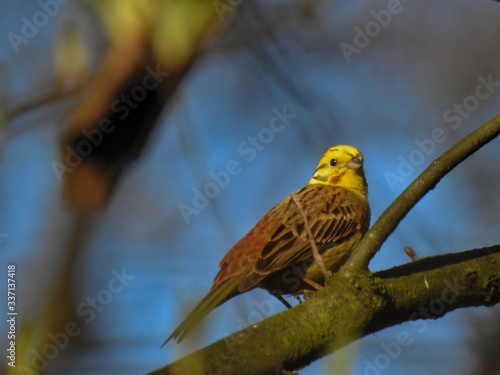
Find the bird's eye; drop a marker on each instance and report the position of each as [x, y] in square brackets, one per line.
[333, 162]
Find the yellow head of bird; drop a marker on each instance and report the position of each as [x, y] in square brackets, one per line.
[341, 166]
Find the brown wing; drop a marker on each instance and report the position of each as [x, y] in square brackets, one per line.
[243, 256]
[334, 214]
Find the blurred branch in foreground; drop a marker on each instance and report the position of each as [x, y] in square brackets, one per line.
[141, 71]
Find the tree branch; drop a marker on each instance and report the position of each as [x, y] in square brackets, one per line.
[349, 308]
[426, 181]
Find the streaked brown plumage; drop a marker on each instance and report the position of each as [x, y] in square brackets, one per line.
[276, 253]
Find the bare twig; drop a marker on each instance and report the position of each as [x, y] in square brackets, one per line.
[51, 97]
[411, 253]
[313, 283]
[318, 259]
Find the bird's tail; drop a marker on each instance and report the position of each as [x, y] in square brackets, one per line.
[214, 298]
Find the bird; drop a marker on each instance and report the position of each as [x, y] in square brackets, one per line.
[277, 253]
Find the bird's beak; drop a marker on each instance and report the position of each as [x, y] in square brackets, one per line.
[354, 163]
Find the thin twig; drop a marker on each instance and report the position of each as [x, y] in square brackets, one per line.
[411, 253]
[318, 259]
[313, 283]
[53, 96]
[397, 210]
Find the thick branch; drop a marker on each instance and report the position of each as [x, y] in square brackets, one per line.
[397, 210]
[349, 308]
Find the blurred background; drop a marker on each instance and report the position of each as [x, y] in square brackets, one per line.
[141, 139]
